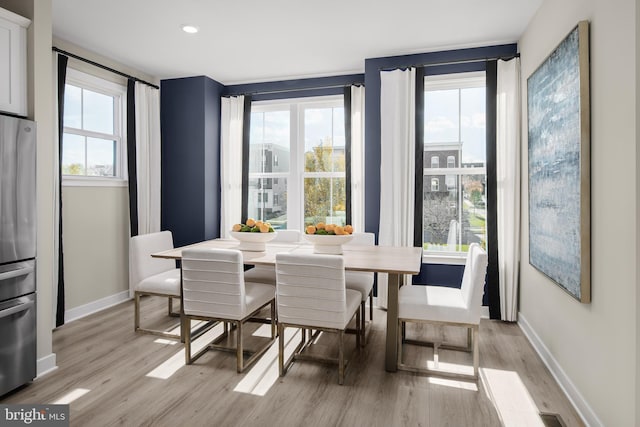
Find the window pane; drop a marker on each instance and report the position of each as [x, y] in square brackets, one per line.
[473, 127]
[324, 140]
[72, 106]
[268, 201]
[101, 157]
[441, 116]
[73, 154]
[325, 200]
[269, 142]
[97, 110]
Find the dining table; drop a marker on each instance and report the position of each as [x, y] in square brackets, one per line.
[396, 261]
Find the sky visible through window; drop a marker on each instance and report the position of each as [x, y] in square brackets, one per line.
[444, 113]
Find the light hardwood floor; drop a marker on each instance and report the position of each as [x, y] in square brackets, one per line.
[137, 380]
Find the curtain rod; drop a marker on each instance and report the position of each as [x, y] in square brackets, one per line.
[462, 61]
[269, 92]
[104, 67]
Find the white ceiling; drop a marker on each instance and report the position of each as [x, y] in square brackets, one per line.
[244, 41]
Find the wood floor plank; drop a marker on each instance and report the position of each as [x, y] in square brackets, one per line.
[137, 380]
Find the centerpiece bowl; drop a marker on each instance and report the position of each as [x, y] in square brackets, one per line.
[328, 244]
[254, 242]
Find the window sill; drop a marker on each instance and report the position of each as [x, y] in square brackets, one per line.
[451, 259]
[94, 182]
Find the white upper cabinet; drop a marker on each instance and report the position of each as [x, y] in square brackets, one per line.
[13, 63]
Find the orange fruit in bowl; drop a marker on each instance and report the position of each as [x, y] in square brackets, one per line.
[311, 229]
[320, 226]
[339, 230]
[348, 228]
[264, 228]
[236, 227]
[251, 222]
[330, 227]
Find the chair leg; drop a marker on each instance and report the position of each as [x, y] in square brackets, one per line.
[281, 349]
[170, 308]
[273, 319]
[240, 355]
[136, 316]
[475, 352]
[400, 341]
[363, 312]
[187, 339]
[359, 331]
[341, 357]
[371, 305]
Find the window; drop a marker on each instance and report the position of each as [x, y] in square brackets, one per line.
[435, 184]
[454, 215]
[451, 161]
[303, 144]
[435, 161]
[93, 144]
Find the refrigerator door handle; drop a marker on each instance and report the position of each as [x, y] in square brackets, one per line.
[16, 273]
[16, 309]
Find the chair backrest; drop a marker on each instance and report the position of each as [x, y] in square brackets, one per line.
[362, 239]
[475, 271]
[213, 283]
[141, 264]
[310, 290]
[287, 236]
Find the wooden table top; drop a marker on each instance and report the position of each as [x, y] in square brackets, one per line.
[380, 259]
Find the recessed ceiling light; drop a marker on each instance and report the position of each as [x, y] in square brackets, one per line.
[191, 29]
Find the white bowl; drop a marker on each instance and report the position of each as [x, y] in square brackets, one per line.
[252, 241]
[328, 244]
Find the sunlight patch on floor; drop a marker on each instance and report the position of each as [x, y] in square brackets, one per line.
[71, 396]
[175, 362]
[512, 400]
[463, 385]
[263, 331]
[264, 374]
[166, 341]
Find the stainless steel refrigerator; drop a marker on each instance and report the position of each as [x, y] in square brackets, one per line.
[17, 252]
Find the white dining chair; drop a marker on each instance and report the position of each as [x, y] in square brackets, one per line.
[362, 281]
[267, 273]
[443, 306]
[214, 289]
[311, 294]
[153, 276]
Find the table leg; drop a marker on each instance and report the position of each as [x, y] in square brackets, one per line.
[391, 354]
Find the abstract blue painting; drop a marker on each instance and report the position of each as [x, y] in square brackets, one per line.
[559, 174]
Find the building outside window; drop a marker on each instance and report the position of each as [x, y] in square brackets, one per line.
[297, 151]
[93, 144]
[454, 214]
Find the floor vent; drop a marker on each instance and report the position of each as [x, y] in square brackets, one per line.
[552, 420]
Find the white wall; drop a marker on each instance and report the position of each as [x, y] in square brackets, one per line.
[594, 345]
[96, 243]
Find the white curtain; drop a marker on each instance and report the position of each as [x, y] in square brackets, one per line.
[357, 158]
[147, 100]
[508, 184]
[232, 115]
[397, 163]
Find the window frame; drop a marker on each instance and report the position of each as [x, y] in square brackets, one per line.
[118, 91]
[297, 174]
[446, 82]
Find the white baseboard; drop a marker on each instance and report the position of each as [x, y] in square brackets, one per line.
[95, 306]
[585, 411]
[46, 365]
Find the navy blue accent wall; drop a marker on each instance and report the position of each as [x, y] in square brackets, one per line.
[190, 118]
[299, 88]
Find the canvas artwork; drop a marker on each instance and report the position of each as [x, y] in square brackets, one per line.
[559, 177]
